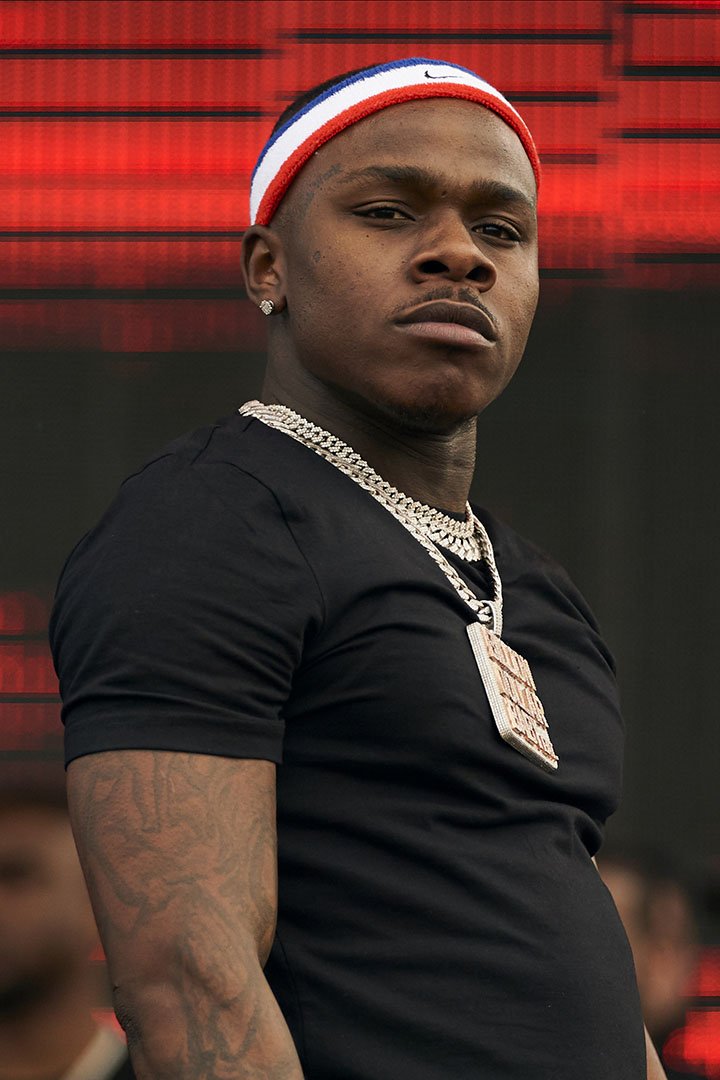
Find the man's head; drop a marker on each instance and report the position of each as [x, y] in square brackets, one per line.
[46, 924]
[427, 202]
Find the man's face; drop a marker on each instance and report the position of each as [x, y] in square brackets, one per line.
[46, 923]
[428, 202]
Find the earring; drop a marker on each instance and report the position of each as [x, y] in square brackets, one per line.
[267, 307]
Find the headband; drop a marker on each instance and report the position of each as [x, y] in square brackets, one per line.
[356, 97]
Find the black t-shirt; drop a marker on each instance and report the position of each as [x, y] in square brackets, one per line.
[440, 917]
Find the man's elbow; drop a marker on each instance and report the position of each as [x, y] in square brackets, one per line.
[159, 999]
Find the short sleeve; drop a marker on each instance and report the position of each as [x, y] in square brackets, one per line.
[180, 620]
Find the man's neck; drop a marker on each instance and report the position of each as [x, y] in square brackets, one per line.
[47, 1036]
[436, 469]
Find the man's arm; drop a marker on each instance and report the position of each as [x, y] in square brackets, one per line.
[179, 852]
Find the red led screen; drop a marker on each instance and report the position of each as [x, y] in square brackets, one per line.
[129, 131]
[696, 1045]
[130, 127]
[29, 700]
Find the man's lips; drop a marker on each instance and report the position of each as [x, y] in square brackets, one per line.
[450, 322]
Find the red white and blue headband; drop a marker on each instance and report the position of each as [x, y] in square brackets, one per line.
[356, 97]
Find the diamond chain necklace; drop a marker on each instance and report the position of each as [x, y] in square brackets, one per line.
[506, 676]
[426, 524]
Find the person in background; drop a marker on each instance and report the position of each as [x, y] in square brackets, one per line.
[657, 910]
[47, 933]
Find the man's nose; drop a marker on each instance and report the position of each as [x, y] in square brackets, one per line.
[449, 251]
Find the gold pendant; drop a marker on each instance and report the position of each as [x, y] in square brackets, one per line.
[511, 691]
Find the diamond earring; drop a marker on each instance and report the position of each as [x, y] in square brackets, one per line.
[267, 307]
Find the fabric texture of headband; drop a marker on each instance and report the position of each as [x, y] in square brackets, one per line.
[359, 96]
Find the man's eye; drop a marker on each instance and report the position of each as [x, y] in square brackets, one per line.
[383, 213]
[500, 231]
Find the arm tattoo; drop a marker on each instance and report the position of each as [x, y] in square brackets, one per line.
[179, 851]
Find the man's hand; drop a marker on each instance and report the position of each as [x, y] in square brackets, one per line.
[179, 851]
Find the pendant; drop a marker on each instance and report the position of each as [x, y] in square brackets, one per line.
[511, 691]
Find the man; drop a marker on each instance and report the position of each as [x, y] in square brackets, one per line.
[657, 911]
[47, 987]
[305, 583]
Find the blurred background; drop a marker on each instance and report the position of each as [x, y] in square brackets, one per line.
[129, 129]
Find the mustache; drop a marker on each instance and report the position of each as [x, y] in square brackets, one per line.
[446, 292]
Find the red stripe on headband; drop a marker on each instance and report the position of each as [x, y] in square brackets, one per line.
[288, 171]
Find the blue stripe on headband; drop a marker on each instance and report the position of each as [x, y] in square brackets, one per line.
[366, 73]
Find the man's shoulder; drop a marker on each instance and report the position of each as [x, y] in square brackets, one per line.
[196, 524]
[204, 496]
[226, 442]
[230, 458]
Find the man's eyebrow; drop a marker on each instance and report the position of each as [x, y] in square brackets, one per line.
[496, 191]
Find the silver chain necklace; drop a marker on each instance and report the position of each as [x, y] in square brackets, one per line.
[426, 524]
[467, 538]
[506, 676]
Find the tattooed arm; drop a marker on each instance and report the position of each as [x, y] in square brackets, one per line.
[179, 852]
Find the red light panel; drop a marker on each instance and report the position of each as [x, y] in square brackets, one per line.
[29, 700]
[22, 613]
[129, 123]
[26, 669]
[696, 1045]
[689, 37]
[706, 981]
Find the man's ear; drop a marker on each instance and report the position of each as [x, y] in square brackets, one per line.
[263, 264]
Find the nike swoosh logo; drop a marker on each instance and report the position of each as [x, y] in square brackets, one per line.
[429, 76]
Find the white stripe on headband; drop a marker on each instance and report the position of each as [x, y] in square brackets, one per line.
[351, 100]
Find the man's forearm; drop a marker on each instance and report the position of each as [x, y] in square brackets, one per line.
[187, 1034]
[179, 851]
